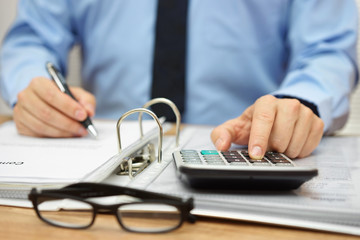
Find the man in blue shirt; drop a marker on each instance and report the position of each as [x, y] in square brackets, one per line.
[287, 67]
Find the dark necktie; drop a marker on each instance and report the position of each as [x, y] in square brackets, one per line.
[168, 78]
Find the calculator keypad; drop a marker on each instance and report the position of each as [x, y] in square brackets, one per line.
[235, 157]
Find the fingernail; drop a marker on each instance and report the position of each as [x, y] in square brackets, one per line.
[219, 143]
[82, 131]
[256, 152]
[80, 115]
[90, 107]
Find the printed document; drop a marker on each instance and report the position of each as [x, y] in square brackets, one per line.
[28, 161]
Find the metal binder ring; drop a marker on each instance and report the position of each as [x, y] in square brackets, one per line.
[173, 107]
[140, 111]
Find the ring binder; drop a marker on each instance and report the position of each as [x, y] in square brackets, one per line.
[173, 107]
[144, 156]
[139, 162]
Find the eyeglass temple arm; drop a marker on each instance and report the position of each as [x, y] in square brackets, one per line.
[189, 205]
[86, 190]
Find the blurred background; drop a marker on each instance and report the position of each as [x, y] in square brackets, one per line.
[8, 13]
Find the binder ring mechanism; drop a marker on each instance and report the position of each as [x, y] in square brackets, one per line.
[145, 155]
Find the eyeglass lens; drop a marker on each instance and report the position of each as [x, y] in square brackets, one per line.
[79, 215]
[149, 217]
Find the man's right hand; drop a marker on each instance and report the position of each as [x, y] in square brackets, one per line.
[42, 110]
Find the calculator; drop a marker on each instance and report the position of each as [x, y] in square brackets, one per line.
[236, 170]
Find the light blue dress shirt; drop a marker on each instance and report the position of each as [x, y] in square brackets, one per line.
[238, 51]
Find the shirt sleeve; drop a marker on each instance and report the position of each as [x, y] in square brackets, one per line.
[322, 68]
[41, 32]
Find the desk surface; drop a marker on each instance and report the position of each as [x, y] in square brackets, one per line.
[20, 223]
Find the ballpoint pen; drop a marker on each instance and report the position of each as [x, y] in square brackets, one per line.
[60, 82]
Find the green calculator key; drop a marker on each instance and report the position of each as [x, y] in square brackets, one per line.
[209, 152]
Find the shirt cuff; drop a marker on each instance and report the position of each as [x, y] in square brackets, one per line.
[308, 104]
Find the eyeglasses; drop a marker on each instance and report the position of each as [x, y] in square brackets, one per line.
[138, 210]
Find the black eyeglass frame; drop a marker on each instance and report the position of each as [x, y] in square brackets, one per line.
[81, 191]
